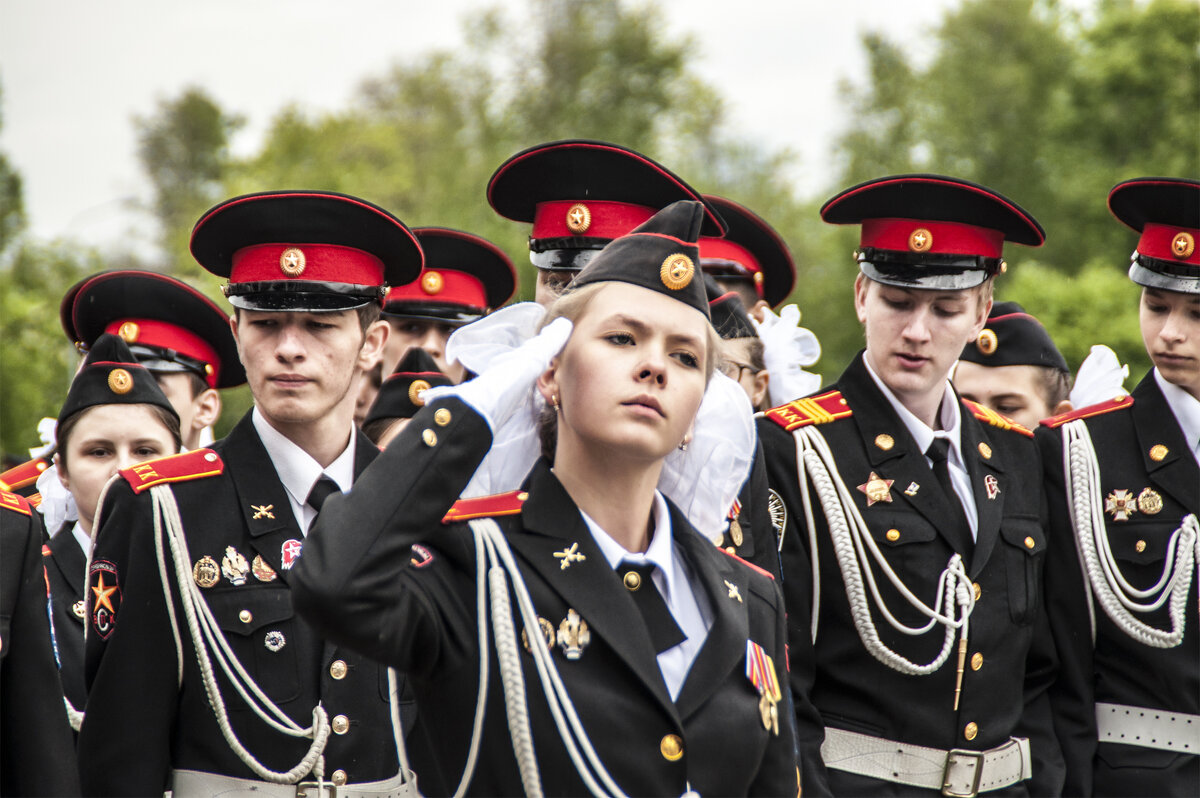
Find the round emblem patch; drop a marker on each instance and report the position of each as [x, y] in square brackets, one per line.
[677, 271]
[128, 332]
[987, 342]
[206, 572]
[547, 630]
[1183, 246]
[920, 240]
[292, 262]
[432, 282]
[579, 218]
[1150, 502]
[415, 390]
[274, 640]
[120, 381]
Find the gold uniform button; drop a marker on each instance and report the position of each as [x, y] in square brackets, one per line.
[338, 777]
[1030, 542]
[671, 747]
[430, 437]
[338, 669]
[972, 730]
[441, 417]
[977, 590]
[976, 661]
[341, 724]
[730, 550]
[1140, 546]
[893, 535]
[633, 580]
[885, 441]
[245, 616]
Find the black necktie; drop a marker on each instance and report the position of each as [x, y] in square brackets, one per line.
[938, 452]
[321, 491]
[664, 632]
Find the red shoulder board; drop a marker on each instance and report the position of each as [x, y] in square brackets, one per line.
[1054, 422]
[810, 410]
[989, 416]
[191, 465]
[485, 506]
[15, 503]
[748, 564]
[23, 475]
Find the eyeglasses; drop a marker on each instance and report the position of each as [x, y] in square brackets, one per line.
[733, 369]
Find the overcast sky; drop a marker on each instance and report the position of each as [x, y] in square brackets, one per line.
[75, 73]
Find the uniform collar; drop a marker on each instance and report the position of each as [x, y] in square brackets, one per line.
[1186, 409]
[82, 538]
[660, 552]
[297, 469]
[949, 416]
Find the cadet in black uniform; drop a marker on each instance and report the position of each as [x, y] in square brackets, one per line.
[1124, 514]
[37, 755]
[670, 651]
[925, 652]
[224, 527]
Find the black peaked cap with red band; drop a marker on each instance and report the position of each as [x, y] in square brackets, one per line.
[465, 278]
[305, 250]
[661, 254]
[168, 325]
[1166, 211]
[725, 308]
[931, 231]
[400, 394]
[579, 195]
[751, 250]
[111, 376]
[1012, 337]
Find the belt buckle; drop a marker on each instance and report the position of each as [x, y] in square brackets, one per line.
[316, 789]
[954, 755]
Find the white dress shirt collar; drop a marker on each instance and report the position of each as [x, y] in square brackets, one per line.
[297, 469]
[949, 417]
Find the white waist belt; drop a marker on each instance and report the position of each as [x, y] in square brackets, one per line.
[1148, 728]
[197, 784]
[957, 772]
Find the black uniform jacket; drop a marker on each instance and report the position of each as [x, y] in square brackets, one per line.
[756, 541]
[37, 752]
[140, 721]
[362, 582]
[851, 689]
[1118, 669]
[66, 567]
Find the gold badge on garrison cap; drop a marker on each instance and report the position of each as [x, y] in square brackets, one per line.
[677, 271]
[920, 240]
[415, 389]
[573, 635]
[1183, 246]
[432, 282]
[206, 572]
[262, 570]
[129, 332]
[1120, 504]
[547, 630]
[987, 342]
[292, 262]
[120, 381]
[1149, 501]
[877, 489]
[234, 566]
[569, 555]
[579, 218]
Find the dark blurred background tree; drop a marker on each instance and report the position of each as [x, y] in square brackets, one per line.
[1049, 104]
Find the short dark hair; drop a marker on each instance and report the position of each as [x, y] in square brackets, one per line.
[67, 425]
[1055, 384]
[376, 427]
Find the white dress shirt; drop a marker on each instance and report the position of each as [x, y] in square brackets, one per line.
[298, 471]
[685, 599]
[1187, 412]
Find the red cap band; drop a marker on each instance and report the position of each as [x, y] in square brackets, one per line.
[604, 219]
[152, 332]
[948, 238]
[441, 285]
[1169, 243]
[327, 263]
[724, 249]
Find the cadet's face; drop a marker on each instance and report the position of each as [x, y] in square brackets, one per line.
[1170, 323]
[914, 336]
[631, 377]
[550, 285]
[177, 388]
[368, 388]
[300, 365]
[428, 335]
[105, 439]
[735, 364]
[1013, 391]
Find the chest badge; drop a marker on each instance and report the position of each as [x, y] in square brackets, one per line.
[912, 489]
[262, 511]
[289, 552]
[547, 631]
[263, 572]
[573, 635]
[877, 489]
[992, 485]
[274, 641]
[78, 609]
[734, 593]
[1149, 501]
[206, 572]
[568, 556]
[1120, 504]
[234, 566]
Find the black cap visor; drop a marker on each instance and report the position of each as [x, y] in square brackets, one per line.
[1158, 273]
[934, 272]
[301, 295]
[455, 315]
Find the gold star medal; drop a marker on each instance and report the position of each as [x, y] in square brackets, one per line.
[877, 489]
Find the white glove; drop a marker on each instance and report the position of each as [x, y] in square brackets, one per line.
[1100, 378]
[505, 385]
[786, 348]
[58, 505]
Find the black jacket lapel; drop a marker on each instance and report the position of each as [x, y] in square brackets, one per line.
[987, 481]
[1155, 425]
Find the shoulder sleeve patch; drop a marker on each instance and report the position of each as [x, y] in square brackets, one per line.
[810, 410]
[989, 416]
[747, 563]
[1120, 403]
[196, 464]
[15, 503]
[486, 506]
[24, 475]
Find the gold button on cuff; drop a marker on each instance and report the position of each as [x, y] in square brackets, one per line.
[430, 437]
[441, 417]
[341, 724]
[976, 661]
[1030, 542]
[972, 730]
[893, 535]
[671, 747]
[1140, 546]
[245, 616]
[633, 580]
[338, 778]
[977, 590]
[338, 669]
